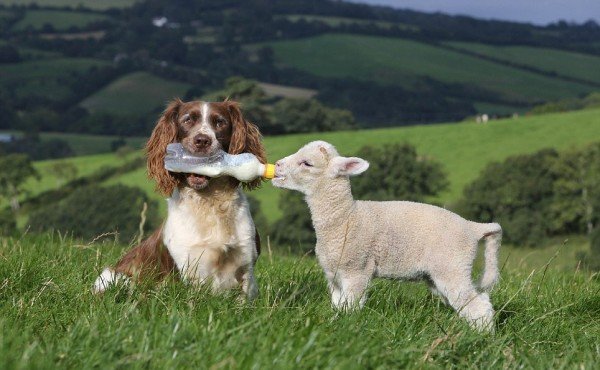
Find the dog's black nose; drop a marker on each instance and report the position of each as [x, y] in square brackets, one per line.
[202, 141]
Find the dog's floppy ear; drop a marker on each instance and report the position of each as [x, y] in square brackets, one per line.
[347, 166]
[164, 133]
[245, 138]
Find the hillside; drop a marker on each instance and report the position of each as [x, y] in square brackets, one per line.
[387, 66]
[134, 94]
[463, 149]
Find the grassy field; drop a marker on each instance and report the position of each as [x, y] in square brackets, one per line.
[91, 4]
[58, 19]
[464, 149]
[41, 78]
[399, 61]
[134, 94]
[545, 319]
[566, 63]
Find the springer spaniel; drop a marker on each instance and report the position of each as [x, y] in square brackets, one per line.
[209, 233]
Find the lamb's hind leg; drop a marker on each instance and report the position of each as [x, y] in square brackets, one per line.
[475, 307]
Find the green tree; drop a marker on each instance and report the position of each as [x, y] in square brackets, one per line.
[8, 224]
[577, 190]
[16, 170]
[95, 210]
[396, 171]
[250, 95]
[517, 193]
[309, 115]
[260, 220]
[294, 230]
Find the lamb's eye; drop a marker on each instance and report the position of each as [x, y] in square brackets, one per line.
[305, 163]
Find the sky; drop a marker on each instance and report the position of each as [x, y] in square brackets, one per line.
[539, 12]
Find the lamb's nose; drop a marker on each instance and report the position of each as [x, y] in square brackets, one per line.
[202, 141]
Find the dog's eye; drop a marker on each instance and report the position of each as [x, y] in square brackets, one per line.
[306, 163]
[187, 119]
[220, 122]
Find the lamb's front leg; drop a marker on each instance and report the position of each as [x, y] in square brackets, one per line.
[354, 290]
[348, 290]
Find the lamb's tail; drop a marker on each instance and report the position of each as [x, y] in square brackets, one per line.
[492, 233]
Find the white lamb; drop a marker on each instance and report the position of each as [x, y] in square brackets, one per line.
[359, 240]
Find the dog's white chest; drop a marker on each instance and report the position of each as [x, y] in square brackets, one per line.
[198, 233]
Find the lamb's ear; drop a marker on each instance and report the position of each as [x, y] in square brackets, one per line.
[348, 166]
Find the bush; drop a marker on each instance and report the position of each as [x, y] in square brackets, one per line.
[8, 224]
[516, 193]
[260, 221]
[301, 115]
[396, 172]
[294, 230]
[95, 210]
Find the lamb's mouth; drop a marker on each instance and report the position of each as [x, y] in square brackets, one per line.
[197, 181]
[278, 180]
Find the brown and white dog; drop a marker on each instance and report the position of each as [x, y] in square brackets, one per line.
[209, 233]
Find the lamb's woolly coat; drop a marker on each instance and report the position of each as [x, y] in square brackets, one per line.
[359, 240]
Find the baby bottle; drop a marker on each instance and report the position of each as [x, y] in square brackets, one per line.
[244, 167]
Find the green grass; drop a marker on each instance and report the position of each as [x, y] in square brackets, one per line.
[565, 63]
[49, 319]
[41, 78]
[134, 94]
[400, 62]
[91, 4]
[59, 19]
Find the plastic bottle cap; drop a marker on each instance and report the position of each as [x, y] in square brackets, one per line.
[269, 171]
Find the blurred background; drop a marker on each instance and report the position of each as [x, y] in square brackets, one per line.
[491, 111]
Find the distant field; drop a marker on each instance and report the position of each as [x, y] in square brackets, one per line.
[400, 62]
[134, 94]
[42, 77]
[85, 165]
[92, 4]
[84, 145]
[464, 149]
[582, 66]
[58, 19]
[287, 91]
